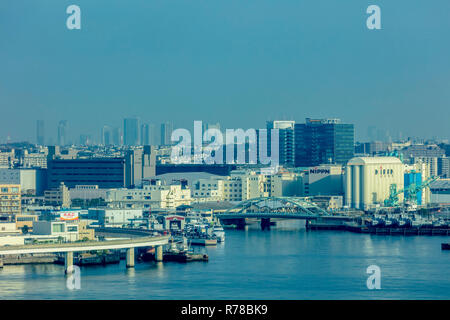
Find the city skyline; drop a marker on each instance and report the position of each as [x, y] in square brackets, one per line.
[291, 65]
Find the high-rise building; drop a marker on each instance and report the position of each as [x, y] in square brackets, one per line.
[62, 133]
[116, 137]
[285, 142]
[323, 141]
[166, 133]
[131, 131]
[140, 165]
[40, 133]
[152, 133]
[145, 134]
[106, 136]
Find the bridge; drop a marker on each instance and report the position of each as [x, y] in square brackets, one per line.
[265, 208]
[129, 243]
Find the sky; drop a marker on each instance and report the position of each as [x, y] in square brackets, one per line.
[237, 62]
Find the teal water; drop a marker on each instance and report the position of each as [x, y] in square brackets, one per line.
[286, 262]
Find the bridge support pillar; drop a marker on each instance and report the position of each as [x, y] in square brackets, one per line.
[130, 258]
[240, 224]
[68, 262]
[159, 253]
[265, 223]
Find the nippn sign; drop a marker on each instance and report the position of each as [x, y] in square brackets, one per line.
[68, 215]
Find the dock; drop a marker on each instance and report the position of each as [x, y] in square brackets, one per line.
[406, 231]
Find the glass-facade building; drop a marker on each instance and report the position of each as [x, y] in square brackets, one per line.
[323, 141]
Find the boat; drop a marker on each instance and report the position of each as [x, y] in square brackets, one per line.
[202, 241]
[219, 233]
[445, 246]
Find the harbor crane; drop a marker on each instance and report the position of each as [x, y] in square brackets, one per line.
[410, 192]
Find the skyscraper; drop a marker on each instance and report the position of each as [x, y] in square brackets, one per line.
[62, 133]
[152, 133]
[166, 133]
[40, 133]
[323, 141]
[285, 142]
[106, 136]
[131, 131]
[145, 137]
[116, 137]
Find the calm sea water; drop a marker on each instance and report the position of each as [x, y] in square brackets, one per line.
[286, 262]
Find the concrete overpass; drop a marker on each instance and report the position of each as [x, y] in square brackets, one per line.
[71, 247]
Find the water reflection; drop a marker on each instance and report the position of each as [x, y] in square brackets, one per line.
[285, 262]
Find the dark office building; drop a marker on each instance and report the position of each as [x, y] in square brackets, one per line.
[323, 141]
[104, 172]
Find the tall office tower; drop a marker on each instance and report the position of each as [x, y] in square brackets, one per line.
[323, 141]
[166, 133]
[145, 138]
[286, 140]
[140, 164]
[152, 135]
[116, 137]
[62, 133]
[131, 131]
[106, 136]
[40, 133]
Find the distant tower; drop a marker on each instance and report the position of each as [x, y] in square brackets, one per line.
[145, 138]
[62, 133]
[116, 137]
[40, 134]
[131, 131]
[166, 133]
[106, 136]
[152, 135]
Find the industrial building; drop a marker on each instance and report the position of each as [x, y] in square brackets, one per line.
[323, 180]
[440, 191]
[368, 180]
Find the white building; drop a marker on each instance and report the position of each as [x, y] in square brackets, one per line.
[118, 218]
[87, 192]
[67, 231]
[155, 196]
[324, 180]
[246, 184]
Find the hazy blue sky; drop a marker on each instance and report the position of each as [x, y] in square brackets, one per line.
[240, 62]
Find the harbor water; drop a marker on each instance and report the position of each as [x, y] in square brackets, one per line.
[285, 262]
